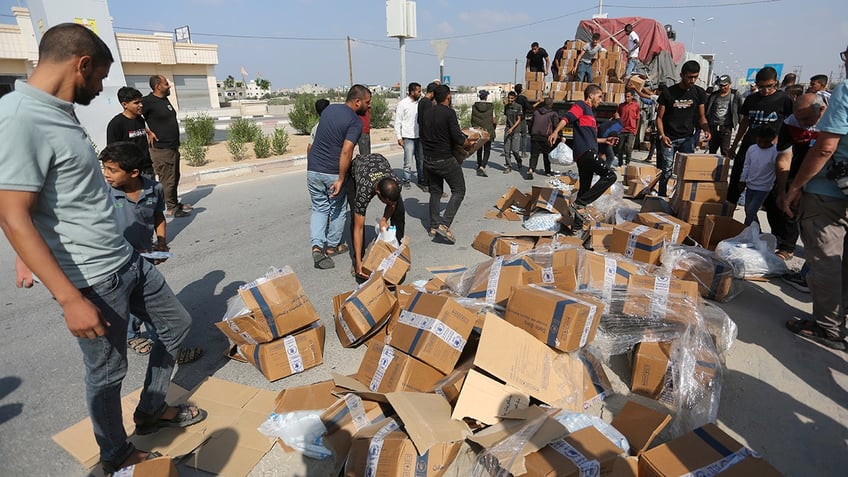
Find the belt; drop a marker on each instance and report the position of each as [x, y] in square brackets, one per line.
[436, 159]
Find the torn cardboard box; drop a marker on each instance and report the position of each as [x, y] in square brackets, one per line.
[479, 135]
[485, 399]
[640, 425]
[385, 369]
[393, 261]
[675, 229]
[560, 320]
[278, 306]
[549, 199]
[638, 242]
[362, 312]
[344, 418]
[158, 467]
[581, 453]
[512, 197]
[289, 355]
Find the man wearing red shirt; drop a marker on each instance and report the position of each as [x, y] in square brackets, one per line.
[628, 112]
[365, 138]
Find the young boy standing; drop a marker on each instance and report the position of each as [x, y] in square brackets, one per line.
[130, 126]
[139, 206]
[758, 173]
[628, 112]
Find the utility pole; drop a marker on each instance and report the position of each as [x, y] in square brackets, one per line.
[515, 73]
[349, 63]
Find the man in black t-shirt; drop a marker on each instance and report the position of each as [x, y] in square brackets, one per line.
[767, 107]
[524, 127]
[161, 118]
[424, 104]
[538, 60]
[373, 176]
[679, 115]
[129, 126]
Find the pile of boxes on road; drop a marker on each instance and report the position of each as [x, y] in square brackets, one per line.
[495, 367]
[607, 69]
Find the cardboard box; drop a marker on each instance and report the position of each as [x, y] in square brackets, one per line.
[650, 366]
[675, 229]
[520, 360]
[385, 369]
[561, 272]
[559, 86]
[656, 204]
[480, 135]
[560, 95]
[701, 191]
[550, 199]
[639, 425]
[393, 261]
[707, 447]
[538, 77]
[309, 397]
[662, 298]
[344, 418]
[493, 282]
[584, 452]
[600, 237]
[364, 311]
[384, 450]
[596, 383]
[718, 228]
[486, 399]
[696, 213]
[278, 306]
[640, 173]
[634, 82]
[701, 167]
[575, 45]
[533, 95]
[562, 321]
[638, 242]
[714, 276]
[158, 467]
[511, 197]
[434, 329]
[495, 244]
[602, 272]
[289, 355]
[536, 85]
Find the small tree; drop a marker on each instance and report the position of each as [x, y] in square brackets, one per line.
[280, 141]
[194, 152]
[380, 115]
[230, 82]
[263, 84]
[262, 147]
[237, 149]
[303, 115]
[200, 129]
[243, 130]
[464, 116]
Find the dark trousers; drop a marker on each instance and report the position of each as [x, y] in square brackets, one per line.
[589, 164]
[783, 227]
[166, 163]
[720, 139]
[483, 154]
[733, 191]
[624, 147]
[364, 144]
[438, 172]
[539, 145]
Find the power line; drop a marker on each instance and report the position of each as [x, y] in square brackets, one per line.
[717, 5]
[500, 60]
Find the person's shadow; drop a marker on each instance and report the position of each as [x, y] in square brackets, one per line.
[9, 411]
[193, 197]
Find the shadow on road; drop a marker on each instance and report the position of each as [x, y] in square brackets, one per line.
[193, 197]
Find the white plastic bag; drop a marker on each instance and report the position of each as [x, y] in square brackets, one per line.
[300, 430]
[388, 235]
[562, 155]
[752, 254]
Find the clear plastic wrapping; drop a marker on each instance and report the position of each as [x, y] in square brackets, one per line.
[543, 221]
[714, 275]
[752, 254]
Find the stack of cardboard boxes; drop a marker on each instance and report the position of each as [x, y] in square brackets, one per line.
[701, 189]
[606, 70]
[534, 85]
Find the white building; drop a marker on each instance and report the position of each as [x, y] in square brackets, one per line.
[189, 67]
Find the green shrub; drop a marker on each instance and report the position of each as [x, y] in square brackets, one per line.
[237, 149]
[200, 129]
[303, 115]
[194, 152]
[243, 130]
[262, 147]
[280, 141]
[380, 115]
[499, 109]
[464, 116]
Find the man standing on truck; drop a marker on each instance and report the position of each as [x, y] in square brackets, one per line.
[586, 58]
[582, 117]
[632, 50]
[538, 60]
[680, 105]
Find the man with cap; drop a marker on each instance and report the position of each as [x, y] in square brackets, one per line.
[483, 117]
[723, 115]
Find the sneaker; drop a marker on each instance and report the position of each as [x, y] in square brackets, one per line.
[530, 175]
[507, 170]
[796, 281]
[176, 213]
[407, 185]
[481, 171]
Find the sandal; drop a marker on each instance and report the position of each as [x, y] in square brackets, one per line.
[445, 232]
[147, 424]
[322, 261]
[188, 355]
[140, 345]
[337, 250]
[785, 254]
[813, 332]
[110, 468]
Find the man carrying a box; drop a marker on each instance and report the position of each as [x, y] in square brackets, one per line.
[373, 176]
[538, 60]
[587, 57]
[680, 106]
[586, 146]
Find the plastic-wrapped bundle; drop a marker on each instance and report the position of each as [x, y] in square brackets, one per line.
[543, 221]
[607, 204]
[696, 371]
[492, 280]
[574, 421]
[752, 254]
[721, 328]
[714, 275]
[600, 273]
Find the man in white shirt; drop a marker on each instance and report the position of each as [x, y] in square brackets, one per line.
[406, 130]
[632, 50]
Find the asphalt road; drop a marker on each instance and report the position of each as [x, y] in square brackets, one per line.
[784, 397]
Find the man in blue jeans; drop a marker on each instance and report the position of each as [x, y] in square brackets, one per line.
[56, 212]
[406, 130]
[680, 105]
[327, 164]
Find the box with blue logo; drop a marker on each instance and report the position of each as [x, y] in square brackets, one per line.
[701, 167]
[292, 354]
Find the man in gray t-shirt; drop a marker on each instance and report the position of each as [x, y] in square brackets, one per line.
[587, 58]
[56, 212]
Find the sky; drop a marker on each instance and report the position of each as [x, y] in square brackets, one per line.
[296, 42]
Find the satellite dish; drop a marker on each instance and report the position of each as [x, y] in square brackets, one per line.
[669, 31]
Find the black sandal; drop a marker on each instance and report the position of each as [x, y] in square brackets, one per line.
[322, 260]
[110, 468]
[812, 331]
[337, 250]
[147, 424]
[189, 355]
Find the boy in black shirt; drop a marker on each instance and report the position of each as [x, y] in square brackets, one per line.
[130, 126]
[679, 115]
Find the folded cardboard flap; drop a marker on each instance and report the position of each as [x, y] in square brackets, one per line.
[427, 419]
[484, 398]
[718, 228]
[393, 261]
[707, 446]
[511, 197]
[158, 467]
[639, 425]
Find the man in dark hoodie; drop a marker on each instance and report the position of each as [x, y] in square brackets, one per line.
[483, 117]
[545, 120]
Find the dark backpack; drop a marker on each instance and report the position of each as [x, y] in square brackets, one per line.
[543, 122]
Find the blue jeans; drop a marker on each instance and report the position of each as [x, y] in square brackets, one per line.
[584, 72]
[753, 201]
[412, 147]
[632, 63]
[140, 289]
[665, 160]
[328, 213]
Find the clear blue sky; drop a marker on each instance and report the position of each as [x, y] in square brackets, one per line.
[304, 39]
